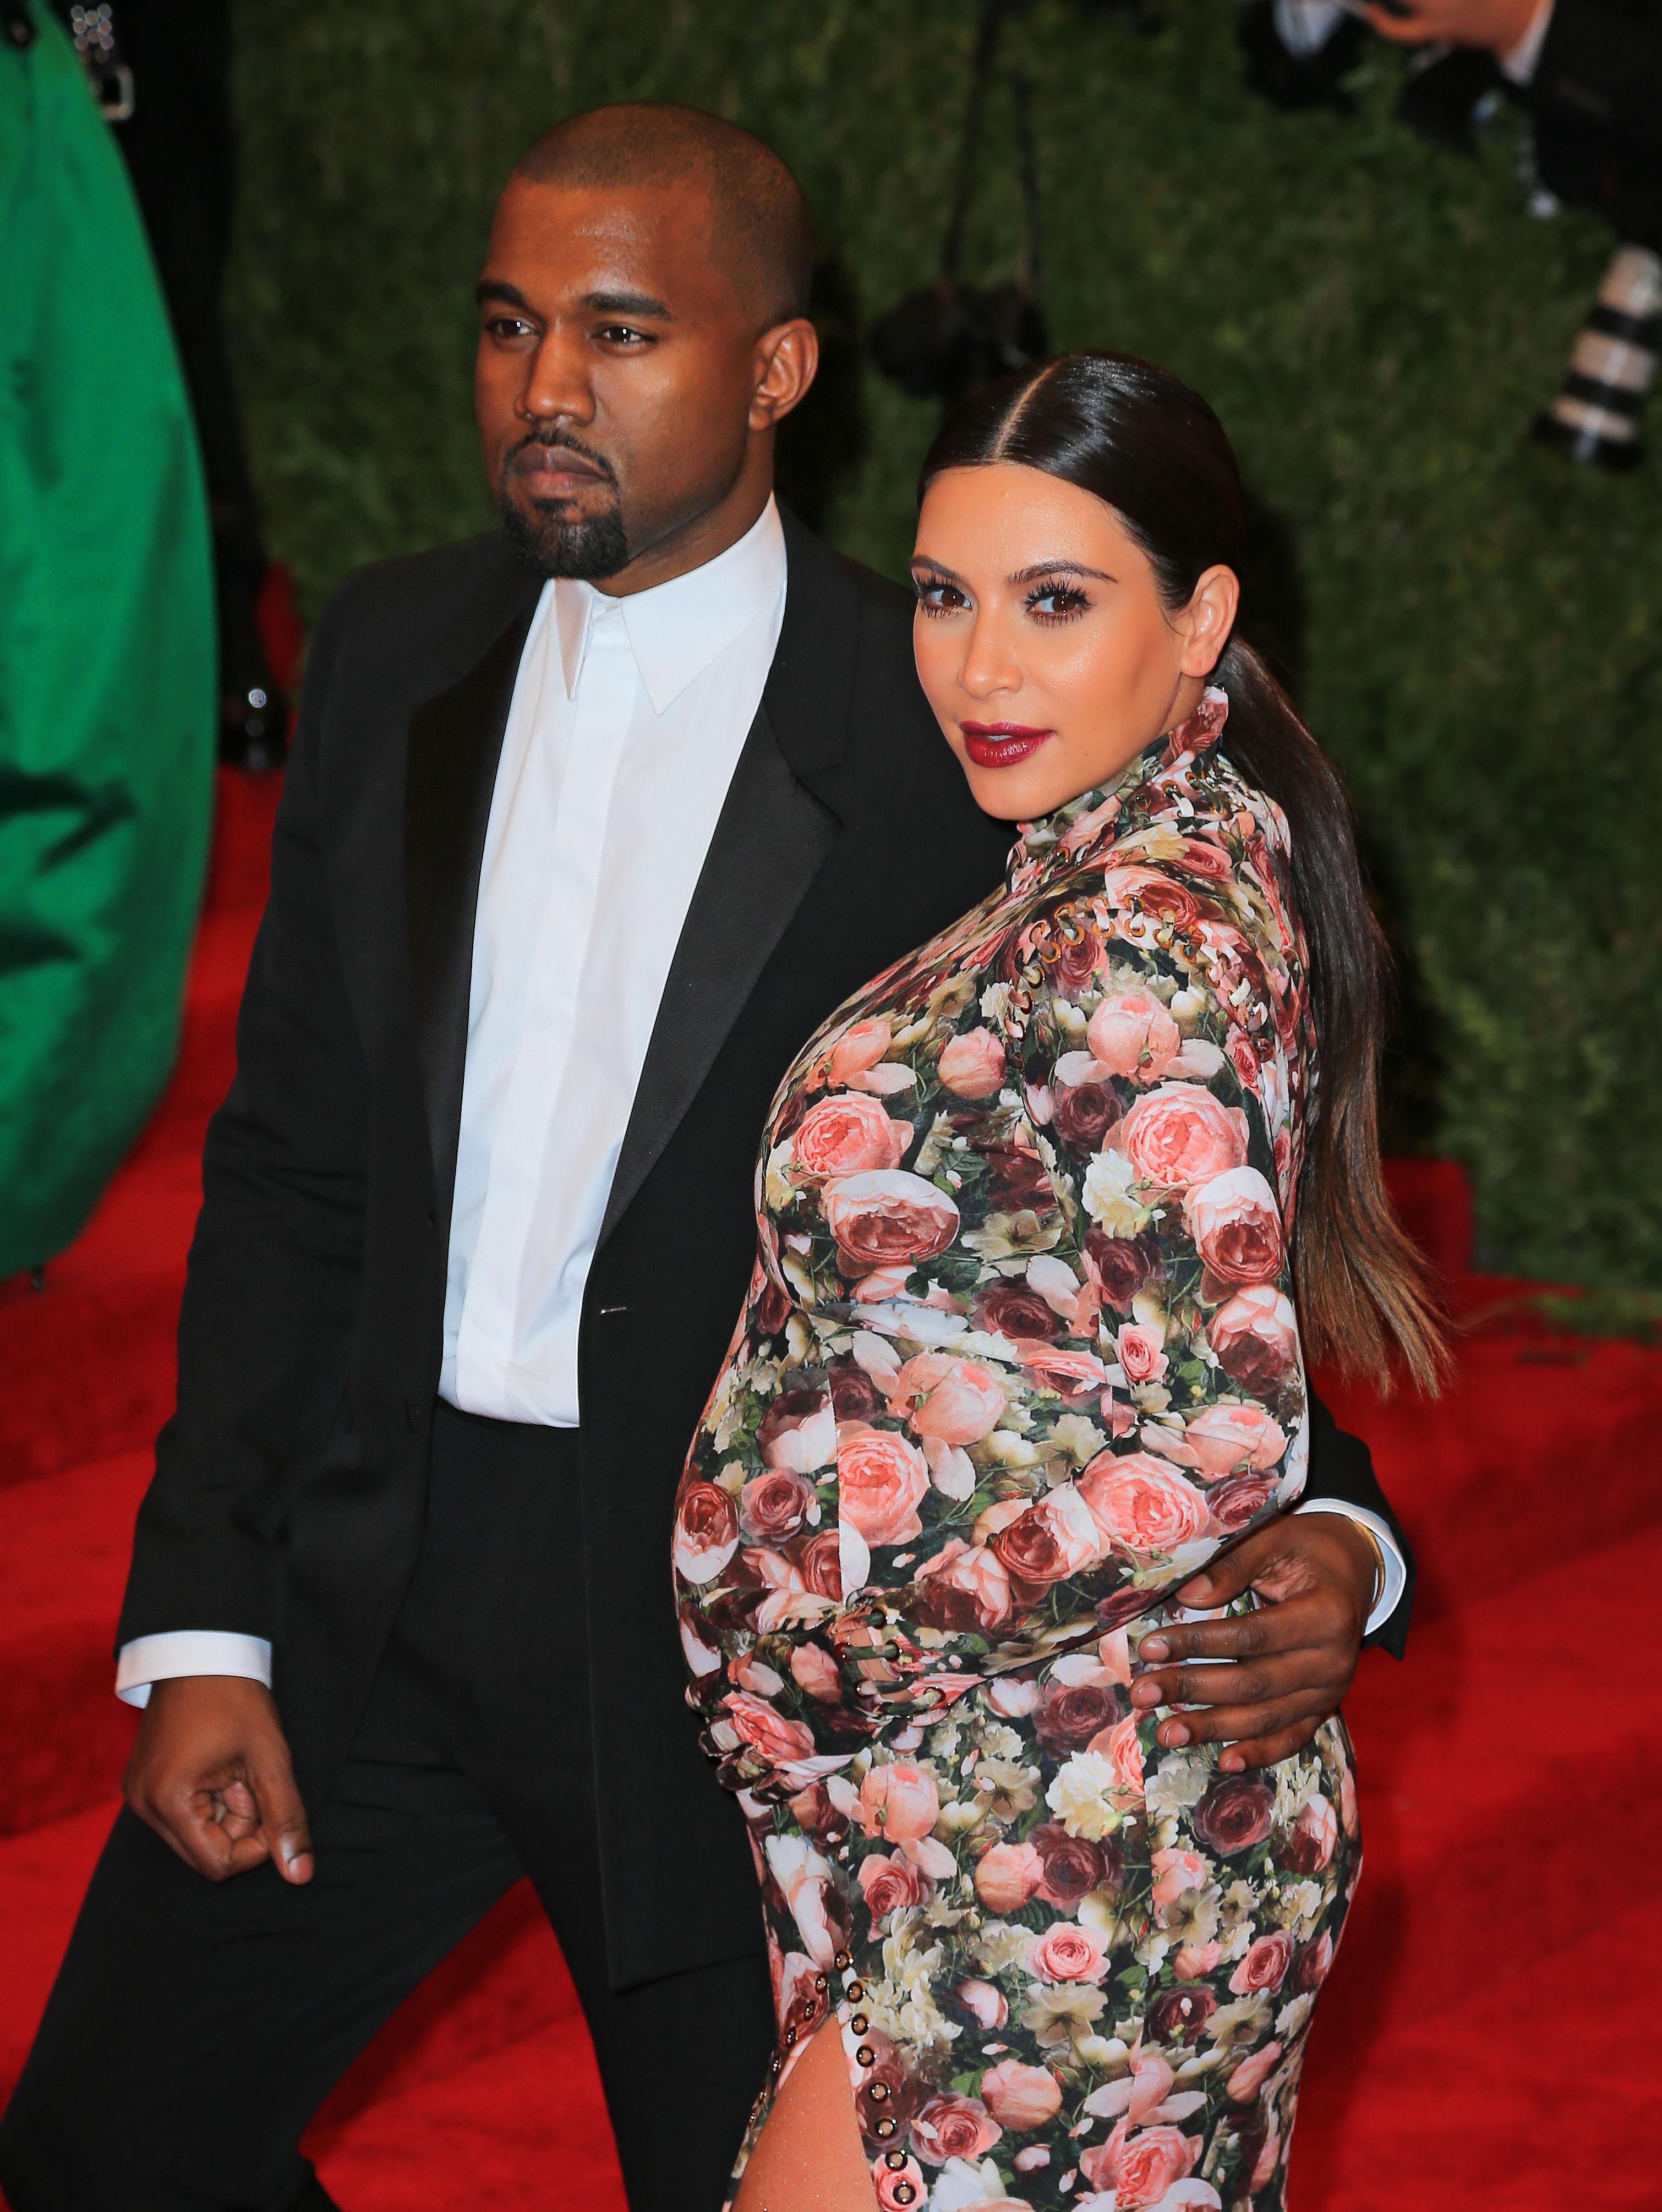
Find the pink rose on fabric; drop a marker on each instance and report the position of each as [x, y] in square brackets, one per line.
[1236, 1224]
[858, 1050]
[1067, 1953]
[1180, 1134]
[1141, 2168]
[1021, 2097]
[1193, 1962]
[1310, 1968]
[1250, 2076]
[1078, 1375]
[1056, 1536]
[706, 1532]
[1264, 1966]
[1007, 1875]
[1122, 1749]
[1203, 857]
[766, 1730]
[848, 1135]
[799, 1431]
[984, 2002]
[888, 1215]
[948, 2126]
[965, 1586]
[1176, 1872]
[1255, 1337]
[773, 1506]
[1131, 1034]
[1237, 1503]
[1143, 1504]
[1134, 885]
[891, 1883]
[899, 1801]
[1141, 1353]
[814, 1672]
[1233, 1439]
[956, 1401]
[898, 2187]
[880, 1481]
[973, 1065]
[1311, 1842]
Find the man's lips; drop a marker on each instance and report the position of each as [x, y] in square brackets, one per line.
[554, 471]
[1001, 744]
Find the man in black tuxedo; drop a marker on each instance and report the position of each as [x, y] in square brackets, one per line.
[536, 954]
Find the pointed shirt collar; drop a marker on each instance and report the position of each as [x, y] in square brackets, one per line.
[675, 630]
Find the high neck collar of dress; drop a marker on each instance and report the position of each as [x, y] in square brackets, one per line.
[1091, 820]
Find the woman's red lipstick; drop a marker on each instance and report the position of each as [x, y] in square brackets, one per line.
[1001, 744]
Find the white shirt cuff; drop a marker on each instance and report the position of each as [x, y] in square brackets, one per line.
[188, 1652]
[1521, 63]
[1396, 1567]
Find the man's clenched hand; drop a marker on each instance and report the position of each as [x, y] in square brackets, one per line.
[1271, 1677]
[210, 1773]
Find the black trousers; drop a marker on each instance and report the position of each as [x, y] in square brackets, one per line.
[195, 2028]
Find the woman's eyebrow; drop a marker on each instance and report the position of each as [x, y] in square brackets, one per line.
[1061, 568]
[936, 567]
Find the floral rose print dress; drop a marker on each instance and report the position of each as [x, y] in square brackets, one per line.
[1018, 1355]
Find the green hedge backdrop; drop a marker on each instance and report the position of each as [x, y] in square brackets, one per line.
[1376, 322]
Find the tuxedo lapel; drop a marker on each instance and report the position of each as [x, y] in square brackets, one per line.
[455, 742]
[770, 839]
[778, 823]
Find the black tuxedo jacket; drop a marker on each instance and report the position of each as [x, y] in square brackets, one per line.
[1597, 99]
[289, 1488]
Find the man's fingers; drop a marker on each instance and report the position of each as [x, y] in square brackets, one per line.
[1269, 1720]
[1230, 1576]
[1297, 1622]
[1254, 1681]
[282, 1816]
[186, 1822]
[1267, 1750]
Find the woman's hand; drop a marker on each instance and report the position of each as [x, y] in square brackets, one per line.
[1265, 1681]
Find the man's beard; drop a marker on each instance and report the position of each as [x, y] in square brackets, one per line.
[556, 544]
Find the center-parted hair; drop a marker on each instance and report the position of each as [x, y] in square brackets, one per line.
[758, 215]
[1151, 448]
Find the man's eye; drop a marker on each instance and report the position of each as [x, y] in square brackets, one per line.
[621, 334]
[508, 328]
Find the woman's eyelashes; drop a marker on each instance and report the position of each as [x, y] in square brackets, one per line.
[935, 596]
[1050, 600]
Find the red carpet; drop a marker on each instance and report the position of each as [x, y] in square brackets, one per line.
[1484, 2041]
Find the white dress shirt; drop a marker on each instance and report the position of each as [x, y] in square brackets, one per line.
[627, 722]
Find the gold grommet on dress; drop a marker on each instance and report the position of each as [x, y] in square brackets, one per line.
[860, 2023]
[841, 1962]
[903, 2192]
[884, 2127]
[864, 2055]
[856, 1991]
[894, 2159]
[879, 2090]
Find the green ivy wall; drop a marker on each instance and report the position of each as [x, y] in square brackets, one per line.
[1376, 322]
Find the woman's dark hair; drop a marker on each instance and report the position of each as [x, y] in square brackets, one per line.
[1154, 451]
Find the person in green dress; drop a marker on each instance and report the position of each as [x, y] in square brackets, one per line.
[106, 655]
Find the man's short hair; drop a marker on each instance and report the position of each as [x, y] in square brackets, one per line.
[759, 215]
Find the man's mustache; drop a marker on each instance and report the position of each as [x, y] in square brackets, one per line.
[564, 442]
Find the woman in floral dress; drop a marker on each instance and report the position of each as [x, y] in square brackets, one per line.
[1040, 1213]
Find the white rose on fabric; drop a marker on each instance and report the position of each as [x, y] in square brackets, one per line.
[950, 1470]
[963, 2187]
[1111, 1199]
[1082, 1797]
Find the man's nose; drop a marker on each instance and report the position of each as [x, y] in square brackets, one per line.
[557, 385]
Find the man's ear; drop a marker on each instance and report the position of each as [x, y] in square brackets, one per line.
[787, 359]
[1206, 622]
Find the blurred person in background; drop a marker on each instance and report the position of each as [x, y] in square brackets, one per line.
[106, 644]
[162, 69]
